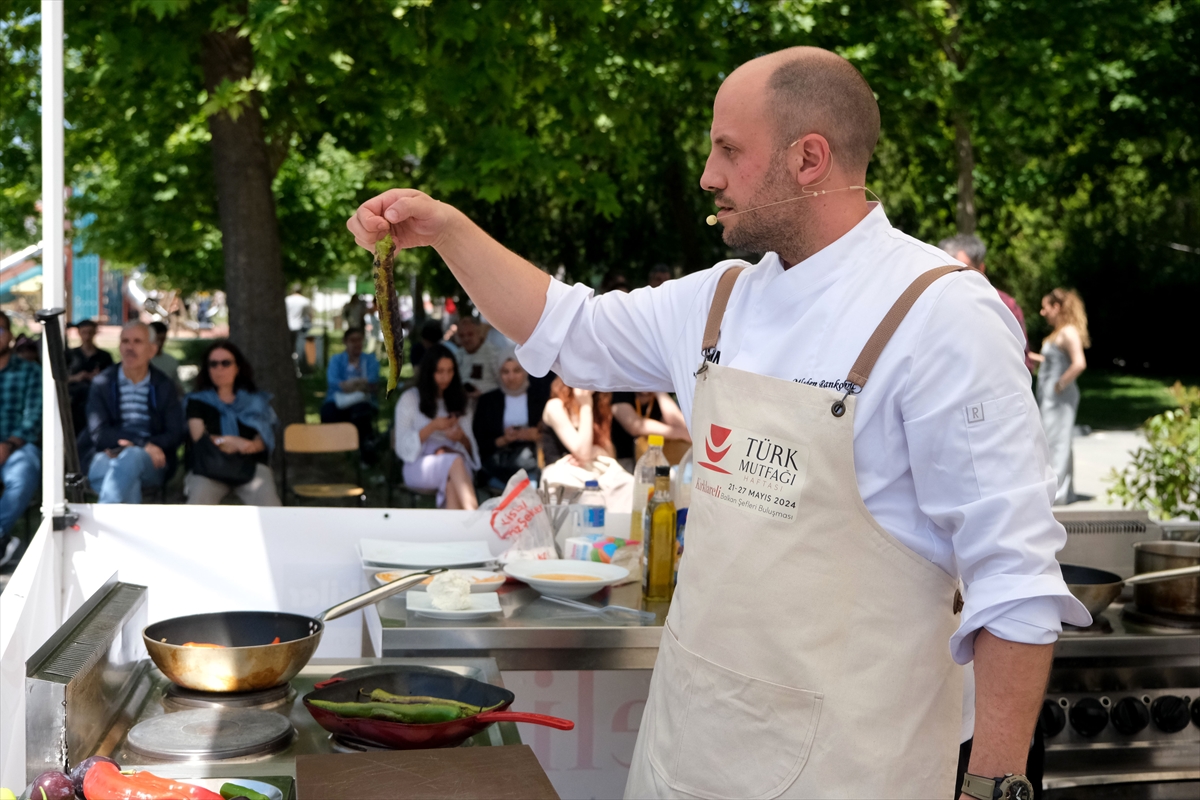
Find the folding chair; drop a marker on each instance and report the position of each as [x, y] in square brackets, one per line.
[394, 477]
[332, 437]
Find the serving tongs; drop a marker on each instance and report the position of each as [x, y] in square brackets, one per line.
[643, 617]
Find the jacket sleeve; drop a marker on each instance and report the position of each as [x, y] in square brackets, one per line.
[484, 426]
[105, 429]
[172, 417]
[408, 427]
[30, 427]
[334, 377]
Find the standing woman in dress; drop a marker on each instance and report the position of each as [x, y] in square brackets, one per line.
[1061, 362]
[433, 433]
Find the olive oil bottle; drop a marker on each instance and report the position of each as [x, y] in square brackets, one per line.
[658, 542]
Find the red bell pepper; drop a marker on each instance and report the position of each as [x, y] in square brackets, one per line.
[105, 782]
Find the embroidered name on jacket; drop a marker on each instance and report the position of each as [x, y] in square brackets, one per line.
[752, 472]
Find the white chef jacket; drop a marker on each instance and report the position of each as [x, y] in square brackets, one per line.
[948, 445]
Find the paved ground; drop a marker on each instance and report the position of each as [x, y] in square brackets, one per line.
[1096, 455]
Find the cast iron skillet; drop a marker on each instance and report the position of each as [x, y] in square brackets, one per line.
[425, 682]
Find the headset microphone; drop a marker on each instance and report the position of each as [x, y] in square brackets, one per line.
[712, 218]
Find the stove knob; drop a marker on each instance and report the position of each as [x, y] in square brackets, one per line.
[1052, 719]
[1129, 716]
[1196, 712]
[1170, 713]
[1088, 716]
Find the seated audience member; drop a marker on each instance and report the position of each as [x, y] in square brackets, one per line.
[478, 358]
[433, 433]
[659, 274]
[20, 430]
[430, 336]
[577, 444]
[84, 363]
[231, 425]
[352, 382]
[28, 349]
[134, 423]
[506, 425]
[640, 414]
[166, 363]
[614, 281]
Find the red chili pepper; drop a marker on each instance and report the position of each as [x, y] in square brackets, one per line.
[105, 782]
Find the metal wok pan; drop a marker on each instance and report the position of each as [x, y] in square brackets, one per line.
[425, 682]
[1097, 588]
[248, 659]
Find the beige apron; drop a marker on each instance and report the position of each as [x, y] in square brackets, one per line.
[806, 652]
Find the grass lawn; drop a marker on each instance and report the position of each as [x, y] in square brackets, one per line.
[1117, 400]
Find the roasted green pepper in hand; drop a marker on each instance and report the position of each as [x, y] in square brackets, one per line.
[407, 713]
[388, 304]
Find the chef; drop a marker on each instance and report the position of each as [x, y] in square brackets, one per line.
[871, 506]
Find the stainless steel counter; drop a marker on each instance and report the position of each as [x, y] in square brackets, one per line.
[530, 633]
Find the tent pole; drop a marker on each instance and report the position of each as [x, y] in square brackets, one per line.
[53, 288]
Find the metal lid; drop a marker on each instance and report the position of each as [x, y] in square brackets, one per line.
[211, 733]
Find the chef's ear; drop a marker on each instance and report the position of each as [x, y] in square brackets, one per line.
[810, 160]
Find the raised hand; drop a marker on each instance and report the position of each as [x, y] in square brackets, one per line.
[414, 219]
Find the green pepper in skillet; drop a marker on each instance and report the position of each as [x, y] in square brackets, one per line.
[408, 713]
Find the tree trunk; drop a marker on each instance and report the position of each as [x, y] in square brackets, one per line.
[965, 156]
[683, 215]
[254, 281]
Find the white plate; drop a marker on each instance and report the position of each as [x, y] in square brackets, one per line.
[424, 555]
[604, 575]
[481, 606]
[215, 784]
[482, 580]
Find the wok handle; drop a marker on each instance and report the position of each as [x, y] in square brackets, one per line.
[1164, 575]
[377, 594]
[520, 716]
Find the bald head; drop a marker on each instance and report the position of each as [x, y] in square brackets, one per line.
[810, 90]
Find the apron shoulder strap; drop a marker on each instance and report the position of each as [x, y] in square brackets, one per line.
[883, 334]
[716, 312]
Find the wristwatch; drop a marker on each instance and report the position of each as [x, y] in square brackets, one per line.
[1007, 787]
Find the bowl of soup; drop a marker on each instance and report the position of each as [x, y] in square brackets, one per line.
[565, 577]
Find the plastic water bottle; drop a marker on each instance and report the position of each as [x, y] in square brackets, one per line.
[681, 492]
[588, 511]
[643, 484]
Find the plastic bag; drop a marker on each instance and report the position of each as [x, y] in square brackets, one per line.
[519, 519]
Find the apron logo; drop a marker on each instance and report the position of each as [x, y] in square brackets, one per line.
[717, 436]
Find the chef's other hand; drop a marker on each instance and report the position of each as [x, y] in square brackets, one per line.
[157, 457]
[414, 219]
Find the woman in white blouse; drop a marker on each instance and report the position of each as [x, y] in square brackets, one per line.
[433, 433]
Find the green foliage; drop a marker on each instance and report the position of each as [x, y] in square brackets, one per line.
[1164, 476]
[575, 131]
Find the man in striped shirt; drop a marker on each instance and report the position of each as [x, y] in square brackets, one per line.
[135, 423]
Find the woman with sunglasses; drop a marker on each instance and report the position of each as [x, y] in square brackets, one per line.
[232, 426]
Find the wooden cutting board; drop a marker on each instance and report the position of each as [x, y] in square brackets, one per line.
[511, 772]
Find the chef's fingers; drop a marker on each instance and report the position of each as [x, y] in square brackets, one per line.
[368, 224]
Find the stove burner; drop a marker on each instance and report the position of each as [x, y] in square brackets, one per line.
[176, 697]
[341, 743]
[211, 733]
[1163, 622]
